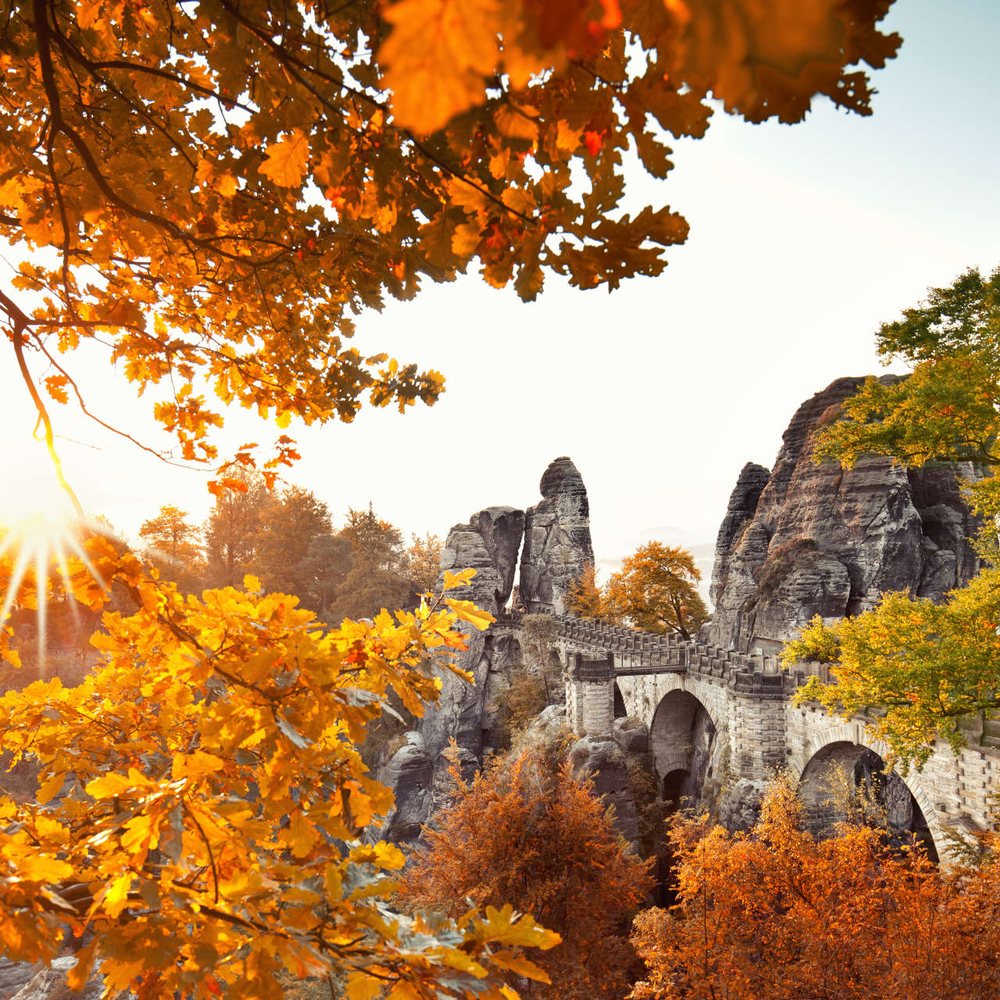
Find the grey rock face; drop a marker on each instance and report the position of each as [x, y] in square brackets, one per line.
[489, 544]
[557, 543]
[410, 773]
[817, 539]
[631, 734]
[742, 507]
[739, 807]
[603, 760]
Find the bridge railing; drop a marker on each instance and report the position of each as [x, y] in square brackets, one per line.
[637, 652]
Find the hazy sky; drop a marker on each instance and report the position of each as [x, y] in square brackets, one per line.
[803, 239]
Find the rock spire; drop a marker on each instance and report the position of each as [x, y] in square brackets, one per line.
[811, 539]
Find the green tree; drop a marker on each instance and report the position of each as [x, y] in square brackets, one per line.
[175, 547]
[656, 590]
[947, 407]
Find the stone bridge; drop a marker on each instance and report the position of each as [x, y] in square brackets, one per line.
[718, 716]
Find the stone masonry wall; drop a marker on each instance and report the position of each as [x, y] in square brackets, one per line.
[758, 729]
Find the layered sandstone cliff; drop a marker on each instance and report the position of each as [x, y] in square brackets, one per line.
[557, 547]
[809, 539]
[489, 543]
[557, 544]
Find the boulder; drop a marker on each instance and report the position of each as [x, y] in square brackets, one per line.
[410, 774]
[602, 760]
[739, 806]
[557, 543]
[631, 734]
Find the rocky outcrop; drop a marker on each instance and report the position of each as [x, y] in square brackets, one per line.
[742, 507]
[739, 806]
[489, 543]
[557, 544]
[818, 539]
[410, 774]
[602, 760]
[23, 981]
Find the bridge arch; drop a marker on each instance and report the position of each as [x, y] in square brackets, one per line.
[908, 809]
[682, 738]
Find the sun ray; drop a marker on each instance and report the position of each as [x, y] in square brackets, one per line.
[16, 578]
[42, 546]
[41, 580]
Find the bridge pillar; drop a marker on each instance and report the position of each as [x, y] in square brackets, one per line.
[591, 691]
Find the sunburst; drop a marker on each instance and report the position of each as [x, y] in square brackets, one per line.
[40, 546]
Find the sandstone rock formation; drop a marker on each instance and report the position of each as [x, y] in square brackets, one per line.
[602, 760]
[557, 547]
[557, 543]
[817, 539]
[410, 774]
[489, 543]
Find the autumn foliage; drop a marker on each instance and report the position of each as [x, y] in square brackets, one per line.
[216, 189]
[527, 832]
[773, 913]
[211, 193]
[201, 806]
[655, 590]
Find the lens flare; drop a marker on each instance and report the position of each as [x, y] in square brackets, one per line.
[35, 554]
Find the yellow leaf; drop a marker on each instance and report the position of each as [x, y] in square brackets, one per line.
[469, 612]
[116, 896]
[196, 765]
[437, 55]
[465, 239]
[138, 833]
[516, 122]
[87, 12]
[41, 868]
[452, 580]
[109, 786]
[287, 160]
[568, 139]
[48, 788]
[520, 965]
[301, 835]
[519, 200]
[76, 978]
[362, 987]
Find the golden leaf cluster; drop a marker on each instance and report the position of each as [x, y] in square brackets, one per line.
[203, 811]
[216, 189]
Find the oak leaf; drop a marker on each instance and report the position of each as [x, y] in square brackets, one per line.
[287, 160]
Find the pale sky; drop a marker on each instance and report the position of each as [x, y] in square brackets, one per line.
[803, 239]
